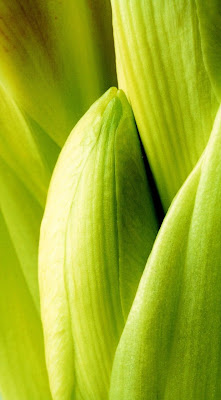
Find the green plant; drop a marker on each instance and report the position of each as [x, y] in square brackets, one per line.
[108, 303]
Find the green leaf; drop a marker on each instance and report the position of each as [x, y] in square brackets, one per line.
[98, 229]
[209, 14]
[23, 216]
[50, 59]
[170, 347]
[24, 175]
[161, 68]
[100, 21]
[23, 372]
[20, 150]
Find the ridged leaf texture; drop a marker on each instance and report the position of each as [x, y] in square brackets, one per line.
[170, 347]
[162, 69]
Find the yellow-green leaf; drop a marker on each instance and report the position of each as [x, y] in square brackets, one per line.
[20, 150]
[51, 61]
[170, 347]
[25, 170]
[22, 215]
[161, 68]
[23, 372]
[209, 14]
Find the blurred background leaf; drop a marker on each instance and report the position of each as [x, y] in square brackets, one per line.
[56, 59]
[53, 59]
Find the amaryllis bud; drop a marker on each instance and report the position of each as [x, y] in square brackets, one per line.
[97, 232]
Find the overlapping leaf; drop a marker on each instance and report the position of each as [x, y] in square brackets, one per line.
[51, 59]
[100, 224]
[52, 69]
[25, 170]
[161, 68]
[20, 150]
[23, 372]
[170, 347]
[97, 231]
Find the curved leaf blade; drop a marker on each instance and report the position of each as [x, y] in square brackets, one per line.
[20, 149]
[23, 372]
[170, 346]
[161, 68]
[64, 71]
